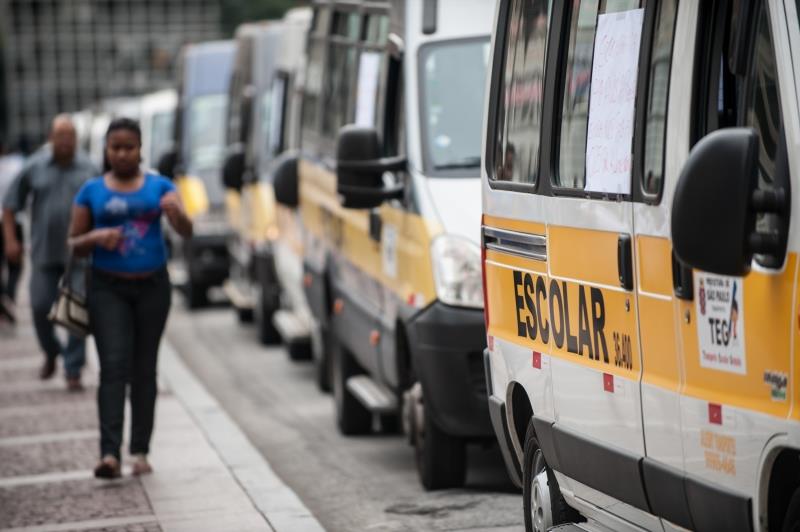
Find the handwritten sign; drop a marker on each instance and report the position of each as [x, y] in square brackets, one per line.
[612, 102]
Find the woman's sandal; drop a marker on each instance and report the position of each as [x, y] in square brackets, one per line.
[108, 468]
[140, 465]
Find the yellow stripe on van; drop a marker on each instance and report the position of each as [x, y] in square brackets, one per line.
[521, 226]
[654, 256]
[193, 195]
[584, 254]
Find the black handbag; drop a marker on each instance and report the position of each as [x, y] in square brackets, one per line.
[70, 309]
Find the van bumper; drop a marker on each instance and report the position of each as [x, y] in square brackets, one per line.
[447, 351]
[207, 258]
[497, 413]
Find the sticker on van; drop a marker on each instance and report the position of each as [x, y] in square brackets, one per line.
[720, 322]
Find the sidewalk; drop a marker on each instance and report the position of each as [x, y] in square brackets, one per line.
[207, 476]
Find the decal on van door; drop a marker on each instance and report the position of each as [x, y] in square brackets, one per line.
[720, 322]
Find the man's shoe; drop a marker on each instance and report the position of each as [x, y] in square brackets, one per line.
[48, 369]
[140, 465]
[108, 468]
[7, 310]
[74, 384]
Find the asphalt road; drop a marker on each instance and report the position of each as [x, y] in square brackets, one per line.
[350, 483]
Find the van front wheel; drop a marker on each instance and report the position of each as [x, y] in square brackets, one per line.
[441, 457]
[542, 500]
[791, 523]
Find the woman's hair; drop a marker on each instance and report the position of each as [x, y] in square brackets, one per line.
[127, 124]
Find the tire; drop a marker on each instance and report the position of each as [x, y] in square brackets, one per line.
[322, 361]
[543, 503]
[262, 316]
[351, 416]
[791, 522]
[299, 350]
[244, 315]
[441, 458]
[196, 295]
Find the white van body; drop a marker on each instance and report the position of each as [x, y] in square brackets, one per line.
[157, 120]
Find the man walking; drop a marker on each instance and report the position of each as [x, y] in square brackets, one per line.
[50, 178]
[10, 166]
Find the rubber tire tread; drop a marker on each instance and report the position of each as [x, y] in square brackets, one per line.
[442, 458]
[562, 512]
[791, 522]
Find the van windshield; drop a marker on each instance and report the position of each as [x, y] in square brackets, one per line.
[452, 83]
[207, 131]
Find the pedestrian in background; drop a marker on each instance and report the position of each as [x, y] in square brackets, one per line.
[49, 179]
[10, 165]
[117, 218]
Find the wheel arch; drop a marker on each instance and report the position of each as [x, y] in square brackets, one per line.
[783, 480]
[519, 414]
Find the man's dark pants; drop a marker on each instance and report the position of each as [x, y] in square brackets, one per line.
[44, 291]
[128, 318]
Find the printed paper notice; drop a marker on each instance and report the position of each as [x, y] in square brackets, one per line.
[720, 322]
[368, 73]
[612, 102]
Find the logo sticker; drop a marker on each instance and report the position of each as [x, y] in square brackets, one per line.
[777, 382]
[720, 323]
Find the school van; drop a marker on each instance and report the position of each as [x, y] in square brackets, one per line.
[269, 56]
[157, 120]
[389, 198]
[195, 162]
[641, 261]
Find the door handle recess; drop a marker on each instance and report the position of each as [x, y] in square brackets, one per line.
[625, 261]
[682, 279]
[375, 225]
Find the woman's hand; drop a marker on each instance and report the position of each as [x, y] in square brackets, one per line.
[107, 238]
[173, 209]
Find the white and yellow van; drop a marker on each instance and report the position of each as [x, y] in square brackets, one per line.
[260, 127]
[389, 198]
[641, 261]
[157, 120]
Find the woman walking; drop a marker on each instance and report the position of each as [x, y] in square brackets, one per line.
[117, 219]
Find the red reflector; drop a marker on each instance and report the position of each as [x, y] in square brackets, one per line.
[490, 341]
[715, 414]
[608, 382]
[537, 360]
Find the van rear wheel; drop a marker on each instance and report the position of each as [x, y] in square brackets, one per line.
[542, 500]
[441, 458]
[262, 314]
[351, 416]
[322, 357]
[791, 523]
[196, 294]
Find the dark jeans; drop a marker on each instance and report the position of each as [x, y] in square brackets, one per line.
[44, 291]
[128, 318]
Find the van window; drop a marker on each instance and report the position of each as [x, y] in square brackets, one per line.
[577, 84]
[313, 86]
[453, 82]
[658, 94]
[376, 29]
[341, 69]
[272, 117]
[519, 110]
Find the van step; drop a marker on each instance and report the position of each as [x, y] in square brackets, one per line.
[291, 328]
[236, 296]
[377, 398]
[177, 272]
[588, 526]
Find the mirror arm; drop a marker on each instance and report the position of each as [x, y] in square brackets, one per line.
[772, 201]
[764, 243]
[393, 192]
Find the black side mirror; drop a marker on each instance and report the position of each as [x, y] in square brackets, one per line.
[716, 202]
[284, 181]
[167, 163]
[233, 168]
[360, 168]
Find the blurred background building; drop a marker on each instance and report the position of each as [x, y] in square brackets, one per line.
[65, 55]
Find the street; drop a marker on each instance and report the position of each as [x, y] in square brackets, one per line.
[349, 483]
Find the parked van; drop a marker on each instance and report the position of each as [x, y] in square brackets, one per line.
[641, 261]
[195, 163]
[268, 57]
[389, 200]
[157, 120]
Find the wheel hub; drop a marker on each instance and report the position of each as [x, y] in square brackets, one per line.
[541, 509]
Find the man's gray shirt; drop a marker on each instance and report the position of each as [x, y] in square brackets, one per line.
[51, 189]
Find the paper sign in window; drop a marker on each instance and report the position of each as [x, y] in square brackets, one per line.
[366, 100]
[612, 102]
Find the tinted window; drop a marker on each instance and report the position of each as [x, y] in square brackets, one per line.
[313, 86]
[577, 84]
[658, 92]
[519, 114]
[341, 69]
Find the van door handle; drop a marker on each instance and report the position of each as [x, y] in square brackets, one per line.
[375, 225]
[682, 279]
[625, 261]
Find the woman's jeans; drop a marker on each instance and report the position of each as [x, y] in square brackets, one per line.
[127, 318]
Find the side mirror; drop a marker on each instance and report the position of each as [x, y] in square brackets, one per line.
[167, 163]
[360, 169]
[233, 168]
[284, 181]
[716, 202]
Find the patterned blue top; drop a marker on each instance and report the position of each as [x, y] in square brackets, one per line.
[138, 214]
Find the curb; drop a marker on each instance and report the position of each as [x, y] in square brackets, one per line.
[280, 506]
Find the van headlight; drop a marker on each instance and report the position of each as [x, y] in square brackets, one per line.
[457, 271]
